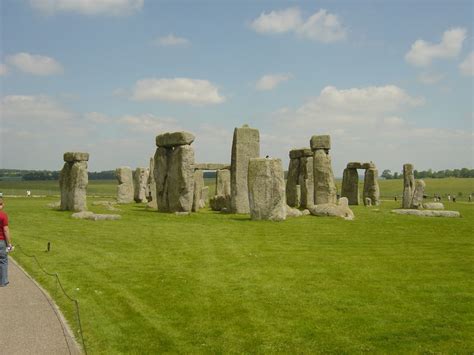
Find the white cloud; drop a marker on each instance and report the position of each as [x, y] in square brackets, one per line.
[35, 64]
[467, 66]
[271, 81]
[321, 26]
[88, 7]
[3, 69]
[171, 41]
[430, 78]
[192, 91]
[422, 53]
[97, 117]
[33, 110]
[149, 123]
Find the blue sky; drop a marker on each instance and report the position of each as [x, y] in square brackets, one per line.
[392, 82]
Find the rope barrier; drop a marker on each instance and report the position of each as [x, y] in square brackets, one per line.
[56, 276]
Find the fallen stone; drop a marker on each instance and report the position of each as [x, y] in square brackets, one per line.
[54, 204]
[433, 206]
[95, 217]
[320, 142]
[427, 213]
[293, 212]
[103, 203]
[266, 189]
[72, 157]
[332, 210]
[182, 213]
[173, 139]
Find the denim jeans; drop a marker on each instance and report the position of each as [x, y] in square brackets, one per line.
[3, 263]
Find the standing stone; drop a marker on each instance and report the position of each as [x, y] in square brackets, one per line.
[292, 182]
[266, 189]
[306, 182]
[204, 196]
[371, 186]
[324, 186]
[223, 182]
[125, 192]
[408, 185]
[140, 178]
[73, 181]
[198, 186]
[417, 201]
[151, 186]
[180, 180]
[350, 186]
[245, 145]
[162, 157]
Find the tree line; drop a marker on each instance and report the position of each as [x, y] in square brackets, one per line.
[36, 175]
[457, 173]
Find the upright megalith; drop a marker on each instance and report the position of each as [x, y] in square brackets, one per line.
[221, 200]
[73, 180]
[125, 190]
[417, 201]
[198, 186]
[151, 185]
[324, 185]
[350, 185]
[174, 172]
[371, 186]
[266, 189]
[292, 180]
[306, 180]
[140, 179]
[245, 145]
[408, 185]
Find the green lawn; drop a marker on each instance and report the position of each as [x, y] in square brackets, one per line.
[220, 283]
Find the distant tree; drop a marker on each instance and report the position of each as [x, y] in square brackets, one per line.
[395, 175]
[387, 174]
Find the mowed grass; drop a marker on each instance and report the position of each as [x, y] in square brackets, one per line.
[221, 283]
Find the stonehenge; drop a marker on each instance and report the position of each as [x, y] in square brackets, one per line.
[417, 201]
[324, 185]
[140, 179]
[125, 190]
[300, 184]
[350, 184]
[73, 180]
[221, 200]
[408, 185]
[341, 210]
[174, 172]
[198, 186]
[266, 189]
[151, 185]
[245, 145]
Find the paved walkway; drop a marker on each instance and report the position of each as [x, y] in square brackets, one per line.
[30, 322]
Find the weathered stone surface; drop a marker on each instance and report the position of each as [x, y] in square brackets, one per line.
[205, 194]
[428, 213]
[109, 205]
[324, 186]
[291, 182]
[371, 186]
[245, 145]
[209, 166]
[173, 139]
[299, 153]
[73, 180]
[151, 186]
[125, 191]
[433, 205]
[343, 201]
[332, 210]
[417, 201]
[161, 164]
[220, 202]
[306, 182]
[95, 217]
[266, 188]
[140, 179]
[223, 182]
[293, 212]
[72, 157]
[354, 165]
[368, 165]
[182, 213]
[350, 185]
[367, 201]
[56, 204]
[181, 179]
[198, 186]
[320, 142]
[408, 185]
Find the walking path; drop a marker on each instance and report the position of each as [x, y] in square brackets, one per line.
[30, 322]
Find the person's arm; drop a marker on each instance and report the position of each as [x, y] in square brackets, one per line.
[6, 232]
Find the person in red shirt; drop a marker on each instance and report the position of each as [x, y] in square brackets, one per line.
[5, 245]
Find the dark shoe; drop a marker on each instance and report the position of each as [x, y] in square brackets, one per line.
[4, 284]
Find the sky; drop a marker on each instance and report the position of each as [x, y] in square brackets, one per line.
[390, 81]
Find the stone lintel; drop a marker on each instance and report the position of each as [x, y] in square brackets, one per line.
[173, 139]
[320, 142]
[71, 157]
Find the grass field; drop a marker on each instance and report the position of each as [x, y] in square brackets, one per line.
[220, 283]
[388, 188]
